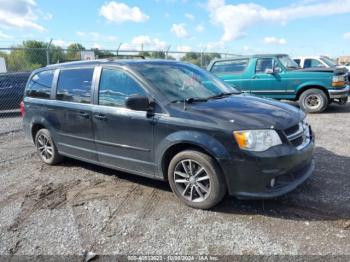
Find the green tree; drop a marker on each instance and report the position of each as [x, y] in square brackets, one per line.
[73, 51]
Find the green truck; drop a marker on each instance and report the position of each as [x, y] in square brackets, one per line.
[278, 76]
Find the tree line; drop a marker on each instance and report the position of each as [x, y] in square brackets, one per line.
[32, 54]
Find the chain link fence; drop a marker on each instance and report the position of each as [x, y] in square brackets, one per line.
[16, 65]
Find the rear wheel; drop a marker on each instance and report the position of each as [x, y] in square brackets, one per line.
[313, 100]
[196, 179]
[46, 147]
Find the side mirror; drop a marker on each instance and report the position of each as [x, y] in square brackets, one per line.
[138, 103]
[273, 71]
[269, 71]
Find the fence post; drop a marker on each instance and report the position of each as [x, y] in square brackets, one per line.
[167, 52]
[120, 44]
[48, 53]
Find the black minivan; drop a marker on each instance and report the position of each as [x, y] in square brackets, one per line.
[171, 121]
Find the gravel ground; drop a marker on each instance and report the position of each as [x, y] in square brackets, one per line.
[76, 207]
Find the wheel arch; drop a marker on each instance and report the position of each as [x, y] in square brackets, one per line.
[181, 141]
[306, 87]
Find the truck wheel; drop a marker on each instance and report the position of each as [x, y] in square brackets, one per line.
[46, 147]
[196, 179]
[313, 101]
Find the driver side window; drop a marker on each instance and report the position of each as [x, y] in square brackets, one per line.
[116, 86]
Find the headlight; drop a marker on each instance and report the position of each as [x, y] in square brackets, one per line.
[338, 81]
[257, 140]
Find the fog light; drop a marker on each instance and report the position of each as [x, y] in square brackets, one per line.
[272, 182]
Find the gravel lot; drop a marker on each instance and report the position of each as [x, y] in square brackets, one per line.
[73, 207]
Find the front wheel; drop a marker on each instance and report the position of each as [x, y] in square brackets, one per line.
[196, 179]
[313, 101]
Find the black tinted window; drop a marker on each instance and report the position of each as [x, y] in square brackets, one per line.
[116, 86]
[74, 85]
[263, 64]
[226, 67]
[40, 85]
[297, 61]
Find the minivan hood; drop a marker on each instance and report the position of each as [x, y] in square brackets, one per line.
[249, 112]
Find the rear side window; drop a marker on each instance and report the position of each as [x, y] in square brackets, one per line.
[230, 67]
[74, 85]
[297, 61]
[116, 86]
[40, 85]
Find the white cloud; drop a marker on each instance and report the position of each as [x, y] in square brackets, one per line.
[246, 48]
[98, 46]
[5, 36]
[190, 16]
[274, 40]
[145, 41]
[199, 28]
[119, 12]
[20, 14]
[179, 30]
[235, 19]
[61, 43]
[347, 36]
[184, 48]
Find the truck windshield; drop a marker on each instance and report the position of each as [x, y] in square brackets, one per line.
[287, 62]
[179, 82]
[328, 61]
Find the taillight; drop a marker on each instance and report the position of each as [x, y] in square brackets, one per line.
[21, 109]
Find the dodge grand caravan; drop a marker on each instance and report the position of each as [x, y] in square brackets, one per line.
[171, 121]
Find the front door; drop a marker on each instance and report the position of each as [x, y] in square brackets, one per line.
[267, 80]
[123, 137]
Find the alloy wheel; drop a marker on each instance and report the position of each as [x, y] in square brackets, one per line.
[192, 180]
[45, 147]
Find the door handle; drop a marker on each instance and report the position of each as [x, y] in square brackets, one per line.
[84, 114]
[100, 117]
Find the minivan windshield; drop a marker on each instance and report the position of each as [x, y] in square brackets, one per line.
[287, 62]
[179, 82]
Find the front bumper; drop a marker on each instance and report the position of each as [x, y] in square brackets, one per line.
[339, 93]
[249, 176]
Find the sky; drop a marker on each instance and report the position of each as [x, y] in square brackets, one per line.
[301, 27]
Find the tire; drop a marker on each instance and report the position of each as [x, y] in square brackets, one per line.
[46, 148]
[202, 190]
[313, 101]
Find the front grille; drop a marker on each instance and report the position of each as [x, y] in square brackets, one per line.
[299, 135]
[291, 130]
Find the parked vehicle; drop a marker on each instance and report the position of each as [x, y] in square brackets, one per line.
[12, 87]
[317, 61]
[314, 61]
[171, 121]
[3, 68]
[279, 77]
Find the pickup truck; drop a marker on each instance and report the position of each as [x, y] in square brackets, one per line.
[316, 61]
[278, 76]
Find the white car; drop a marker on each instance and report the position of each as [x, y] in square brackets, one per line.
[316, 61]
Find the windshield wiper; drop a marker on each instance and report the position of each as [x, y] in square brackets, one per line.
[223, 94]
[190, 100]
